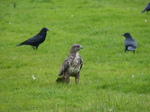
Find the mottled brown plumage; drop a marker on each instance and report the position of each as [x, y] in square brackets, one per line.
[71, 66]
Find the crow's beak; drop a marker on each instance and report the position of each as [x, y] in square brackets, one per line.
[122, 34]
[47, 29]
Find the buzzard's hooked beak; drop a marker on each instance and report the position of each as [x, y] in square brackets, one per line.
[81, 47]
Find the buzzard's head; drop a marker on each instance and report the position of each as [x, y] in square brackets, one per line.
[75, 48]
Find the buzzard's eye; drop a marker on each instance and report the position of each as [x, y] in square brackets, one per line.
[78, 46]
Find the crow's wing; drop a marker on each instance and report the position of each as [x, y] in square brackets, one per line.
[147, 7]
[130, 43]
[35, 39]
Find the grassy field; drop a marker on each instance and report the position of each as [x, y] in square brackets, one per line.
[111, 80]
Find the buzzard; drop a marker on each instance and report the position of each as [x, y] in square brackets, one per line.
[129, 42]
[71, 66]
[37, 39]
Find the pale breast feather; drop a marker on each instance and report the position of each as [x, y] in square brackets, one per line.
[77, 58]
[74, 70]
[75, 66]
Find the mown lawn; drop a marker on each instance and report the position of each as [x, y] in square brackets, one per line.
[111, 80]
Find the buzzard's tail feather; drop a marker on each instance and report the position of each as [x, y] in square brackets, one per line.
[60, 80]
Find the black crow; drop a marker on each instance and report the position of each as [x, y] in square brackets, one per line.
[129, 42]
[36, 40]
[147, 8]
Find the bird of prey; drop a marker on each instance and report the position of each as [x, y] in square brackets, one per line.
[71, 66]
[37, 39]
[129, 42]
[147, 8]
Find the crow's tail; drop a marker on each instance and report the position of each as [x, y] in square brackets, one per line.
[20, 44]
[143, 11]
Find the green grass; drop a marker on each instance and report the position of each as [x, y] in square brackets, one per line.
[111, 80]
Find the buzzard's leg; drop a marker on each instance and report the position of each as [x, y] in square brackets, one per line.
[134, 51]
[77, 78]
[67, 79]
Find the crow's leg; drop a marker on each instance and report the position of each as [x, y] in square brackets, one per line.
[34, 47]
[37, 47]
[126, 47]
